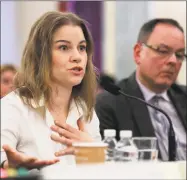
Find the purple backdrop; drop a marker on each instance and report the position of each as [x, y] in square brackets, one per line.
[91, 11]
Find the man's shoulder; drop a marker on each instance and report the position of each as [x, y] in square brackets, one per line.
[107, 97]
[12, 97]
[104, 95]
[179, 89]
[123, 82]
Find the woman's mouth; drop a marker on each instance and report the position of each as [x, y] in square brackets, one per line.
[76, 70]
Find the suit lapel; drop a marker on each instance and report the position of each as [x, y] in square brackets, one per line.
[139, 110]
[180, 105]
[41, 133]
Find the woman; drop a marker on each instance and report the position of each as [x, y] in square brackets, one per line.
[8, 72]
[53, 105]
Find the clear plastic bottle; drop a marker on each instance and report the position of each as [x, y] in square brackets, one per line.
[125, 149]
[109, 138]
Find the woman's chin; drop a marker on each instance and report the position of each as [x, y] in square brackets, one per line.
[76, 82]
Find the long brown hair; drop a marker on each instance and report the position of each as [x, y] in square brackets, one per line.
[35, 76]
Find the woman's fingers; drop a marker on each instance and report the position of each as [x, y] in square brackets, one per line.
[27, 160]
[68, 150]
[17, 159]
[14, 158]
[39, 163]
[36, 163]
[63, 132]
[62, 140]
[80, 125]
[67, 127]
[8, 149]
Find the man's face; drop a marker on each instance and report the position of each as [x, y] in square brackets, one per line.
[7, 82]
[160, 58]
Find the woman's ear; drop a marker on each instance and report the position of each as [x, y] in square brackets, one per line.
[137, 53]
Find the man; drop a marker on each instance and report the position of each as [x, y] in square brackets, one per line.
[8, 71]
[158, 53]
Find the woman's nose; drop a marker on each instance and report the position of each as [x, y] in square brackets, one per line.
[76, 57]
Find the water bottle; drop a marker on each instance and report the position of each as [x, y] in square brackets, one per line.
[125, 149]
[109, 138]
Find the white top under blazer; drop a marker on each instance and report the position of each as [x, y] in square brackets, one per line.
[24, 129]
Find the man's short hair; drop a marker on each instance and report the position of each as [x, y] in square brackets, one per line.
[149, 26]
[8, 67]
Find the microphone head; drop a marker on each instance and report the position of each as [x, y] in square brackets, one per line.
[109, 86]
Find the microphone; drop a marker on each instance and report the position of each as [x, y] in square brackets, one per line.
[116, 90]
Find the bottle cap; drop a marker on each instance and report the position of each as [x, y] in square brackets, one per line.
[23, 171]
[110, 132]
[126, 133]
[12, 172]
[3, 173]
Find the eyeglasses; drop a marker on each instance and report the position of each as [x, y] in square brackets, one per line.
[165, 51]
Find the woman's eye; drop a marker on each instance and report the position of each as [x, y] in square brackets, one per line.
[63, 47]
[82, 48]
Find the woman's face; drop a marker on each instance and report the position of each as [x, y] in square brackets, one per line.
[7, 82]
[69, 56]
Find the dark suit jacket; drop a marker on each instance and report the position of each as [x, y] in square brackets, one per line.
[121, 113]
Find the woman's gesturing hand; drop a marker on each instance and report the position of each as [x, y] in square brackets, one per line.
[17, 159]
[68, 135]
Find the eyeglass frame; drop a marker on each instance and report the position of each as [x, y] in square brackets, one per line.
[168, 54]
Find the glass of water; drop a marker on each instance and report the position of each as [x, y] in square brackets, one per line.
[147, 148]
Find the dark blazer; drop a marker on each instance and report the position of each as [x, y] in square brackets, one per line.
[121, 113]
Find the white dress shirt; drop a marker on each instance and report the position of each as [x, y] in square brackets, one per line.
[26, 130]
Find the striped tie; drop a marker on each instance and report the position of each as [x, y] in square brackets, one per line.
[161, 127]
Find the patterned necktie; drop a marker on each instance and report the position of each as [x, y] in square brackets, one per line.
[163, 130]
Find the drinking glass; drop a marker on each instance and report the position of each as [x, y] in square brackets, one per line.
[147, 148]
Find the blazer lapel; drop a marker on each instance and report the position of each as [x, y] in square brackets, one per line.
[139, 110]
[179, 103]
[41, 133]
